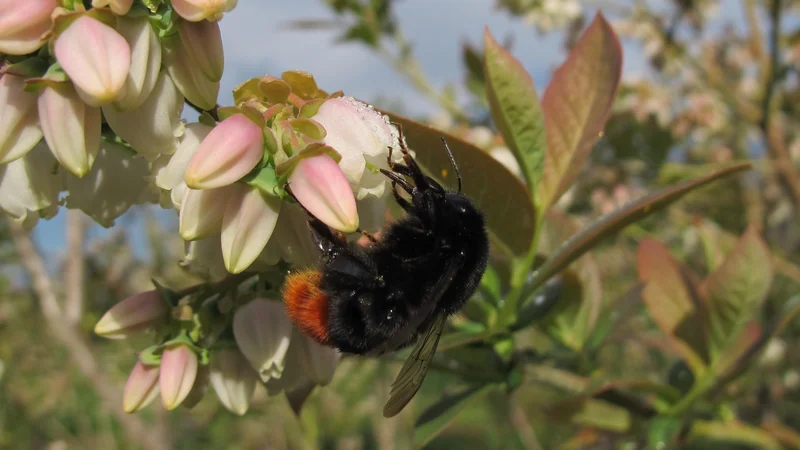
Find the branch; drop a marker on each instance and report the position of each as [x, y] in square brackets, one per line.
[148, 437]
[74, 273]
[771, 74]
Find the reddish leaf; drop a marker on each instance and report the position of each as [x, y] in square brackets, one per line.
[670, 295]
[576, 106]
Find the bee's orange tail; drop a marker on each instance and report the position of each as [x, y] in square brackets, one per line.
[307, 305]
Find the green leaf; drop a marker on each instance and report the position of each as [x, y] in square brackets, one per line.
[592, 413]
[515, 109]
[613, 222]
[581, 296]
[439, 415]
[673, 302]
[733, 432]
[497, 192]
[744, 360]
[576, 106]
[737, 289]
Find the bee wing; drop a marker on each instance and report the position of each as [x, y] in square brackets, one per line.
[410, 378]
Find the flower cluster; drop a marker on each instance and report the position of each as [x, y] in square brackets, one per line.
[99, 93]
[90, 105]
[284, 140]
[263, 347]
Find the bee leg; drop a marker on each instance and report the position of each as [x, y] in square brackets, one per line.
[329, 241]
[414, 170]
[400, 200]
[368, 235]
[400, 181]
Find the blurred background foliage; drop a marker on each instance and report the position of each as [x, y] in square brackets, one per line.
[715, 93]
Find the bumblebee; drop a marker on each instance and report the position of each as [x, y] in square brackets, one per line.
[398, 289]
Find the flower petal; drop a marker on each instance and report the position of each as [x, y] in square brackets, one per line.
[96, 58]
[141, 388]
[233, 379]
[356, 130]
[24, 25]
[229, 152]
[172, 174]
[70, 127]
[28, 185]
[133, 314]
[19, 124]
[145, 62]
[118, 181]
[151, 128]
[197, 10]
[247, 225]
[262, 331]
[202, 211]
[177, 375]
[320, 186]
[203, 43]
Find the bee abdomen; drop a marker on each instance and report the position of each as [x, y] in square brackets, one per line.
[307, 305]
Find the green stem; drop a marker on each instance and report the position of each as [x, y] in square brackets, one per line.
[520, 272]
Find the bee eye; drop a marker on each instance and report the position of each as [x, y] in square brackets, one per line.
[462, 210]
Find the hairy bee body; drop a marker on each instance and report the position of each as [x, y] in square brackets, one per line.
[398, 289]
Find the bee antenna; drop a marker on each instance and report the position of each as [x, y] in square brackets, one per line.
[453, 162]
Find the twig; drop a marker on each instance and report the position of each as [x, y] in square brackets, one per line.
[212, 112]
[771, 74]
[151, 438]
[410, 67]
[74, 273]
[521, 423]
[773, 132]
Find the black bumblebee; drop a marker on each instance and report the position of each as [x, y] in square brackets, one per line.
[399, 288]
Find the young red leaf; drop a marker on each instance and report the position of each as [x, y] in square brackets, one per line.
[737, 289]
[670, 295]
[515, 109]
[576, 106]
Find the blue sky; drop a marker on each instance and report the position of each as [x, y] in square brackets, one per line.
[258, 42]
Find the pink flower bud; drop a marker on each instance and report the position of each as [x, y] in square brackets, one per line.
[233, 379]
[322, 188]
[24, 24]
[197, 10]
[70, 127]
[118, 7]
[203, 44]
[141, 388]
[263, 332]
[202, 211]
[134, 314]
[247, 225]
[19, 123]
[229, 152]
[96, 58]
[178, 372]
